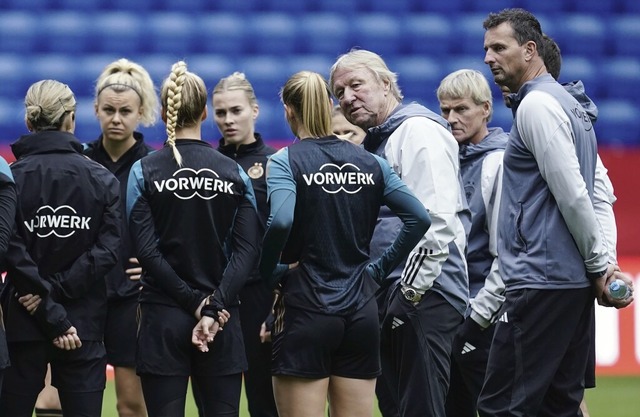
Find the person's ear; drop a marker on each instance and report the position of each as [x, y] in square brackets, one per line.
[205, 113]
[163, 114]
[256, 111]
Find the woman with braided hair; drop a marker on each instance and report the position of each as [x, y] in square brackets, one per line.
[194, 224]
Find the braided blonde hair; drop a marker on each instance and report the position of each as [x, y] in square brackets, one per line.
[184, 99]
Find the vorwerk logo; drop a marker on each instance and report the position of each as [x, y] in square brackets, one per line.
[61, 222]
[333, 178]
[188, 183]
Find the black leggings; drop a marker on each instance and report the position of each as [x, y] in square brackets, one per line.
[218, 396]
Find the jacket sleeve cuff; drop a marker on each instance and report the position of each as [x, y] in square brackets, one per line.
[482, 322]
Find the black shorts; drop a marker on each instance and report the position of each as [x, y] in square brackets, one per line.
[79, 370]
[120, 332]
[314, 345]
[164, 344]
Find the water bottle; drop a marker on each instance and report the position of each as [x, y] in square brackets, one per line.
[618, 290]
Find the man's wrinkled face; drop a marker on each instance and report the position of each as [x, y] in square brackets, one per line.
[361, 95]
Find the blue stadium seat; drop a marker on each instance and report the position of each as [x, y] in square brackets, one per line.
[469, 34]
[430, 34]
[138, 6]
[12, 73]
[395, 7]
[316, 63]
[418, 76]
[490, 6]
[577, 67]
[19, 32]
[168, 32]
[90, 66]
[502, 116]
[286, 6]
[324, 33]
[580, 34]
[12, 124]
[221, 33]
[347, 8]
[65, 32]
[117, 32]
[211, 68]
[621, 77]
[624, 33]
[377, 32]
[447, 6]
[272, 33]
[194, 6]
[618, 123]
[60, 67]
[271, 123]
[629, 6]
[158, 65]
[267, 73]
[27, 5]
[538, 7]
[82, 5]
[242, 6]
[474, 61]
[599, 7]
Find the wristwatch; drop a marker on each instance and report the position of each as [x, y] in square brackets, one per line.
[411, 295]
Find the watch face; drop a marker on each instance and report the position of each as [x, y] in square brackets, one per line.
[410, 294]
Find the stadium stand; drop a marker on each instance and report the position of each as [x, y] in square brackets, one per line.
[378, 32]
[18, 32]
[435, 30]
[272, 33]
[324, 33]
[220, 33]
[624, 34]
[618, 123]
[271, 39]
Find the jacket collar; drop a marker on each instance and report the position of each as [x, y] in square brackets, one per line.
[48, 141]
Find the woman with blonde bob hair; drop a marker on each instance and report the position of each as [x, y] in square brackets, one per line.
[193, 220]
[325, 195]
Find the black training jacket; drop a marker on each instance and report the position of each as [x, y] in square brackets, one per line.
[195, 227]
[253, 159]
[119, 286]
[66, 238]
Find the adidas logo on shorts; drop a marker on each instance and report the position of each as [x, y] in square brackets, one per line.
[468, 347]
[396, 323]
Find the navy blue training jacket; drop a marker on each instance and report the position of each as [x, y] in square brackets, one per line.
[66, 238]
[195, 228]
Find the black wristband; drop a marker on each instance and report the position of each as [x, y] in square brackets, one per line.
[596, 275]
[210, 310]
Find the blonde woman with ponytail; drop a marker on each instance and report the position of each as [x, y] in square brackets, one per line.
[192, 216]
[325, 195]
